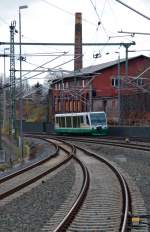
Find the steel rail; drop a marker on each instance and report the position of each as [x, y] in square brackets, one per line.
[76, 206]
[143, 147]
[29, 167]
[35, 178]
[125, 192]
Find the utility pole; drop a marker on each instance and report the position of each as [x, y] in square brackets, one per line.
[21, 142]
[90, 97]
[0, 116]
[12, 79]
[119, 86]
[62, 94]
[4, 90]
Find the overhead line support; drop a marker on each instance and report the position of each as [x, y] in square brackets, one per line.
[12, 79]
[69, 44]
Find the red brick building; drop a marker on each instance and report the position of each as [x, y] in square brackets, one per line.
[100, 88]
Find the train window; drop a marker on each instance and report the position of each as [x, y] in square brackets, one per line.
[62, 121]
[68, 121]
[75, 121]
[57, 120]
[98, 118]
[78, 121]
[81, 119]
[87, 120]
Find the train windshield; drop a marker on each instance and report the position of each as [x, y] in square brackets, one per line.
[98, 118]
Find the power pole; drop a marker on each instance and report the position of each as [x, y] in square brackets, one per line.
[4, 91]
[2, 152]
[0, 115]
[12, 79]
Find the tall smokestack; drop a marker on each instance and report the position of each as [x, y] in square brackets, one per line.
[78, 42]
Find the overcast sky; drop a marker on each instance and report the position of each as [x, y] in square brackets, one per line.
[53, 21]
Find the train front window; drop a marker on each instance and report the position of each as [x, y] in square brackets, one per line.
[98, 118]
[87, 120]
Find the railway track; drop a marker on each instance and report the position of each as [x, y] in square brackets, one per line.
[140, 145]
[98, 207]
[18, 180]
[99, 200]
[134, 145]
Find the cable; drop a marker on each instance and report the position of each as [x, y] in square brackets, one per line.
[129, 7]
[9, 85]
[41, 73]
[3, 20]
[44, 54]
[115, 17]
[95, 11]
[46, 63]
[99, 22]
[66, 11]
[103, 9]
[35, 66]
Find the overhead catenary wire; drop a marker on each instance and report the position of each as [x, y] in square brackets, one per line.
[100, 21]
[59, 65]
[41, 66]
[9, 85]
[25, 79]
[103, 8]
[4, 21]
[66, 11]
[117, 21]
[139, 13]
[37, 54]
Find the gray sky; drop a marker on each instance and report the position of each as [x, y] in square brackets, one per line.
[53, 21]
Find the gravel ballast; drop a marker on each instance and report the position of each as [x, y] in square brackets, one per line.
[135, 163]
[32, 210]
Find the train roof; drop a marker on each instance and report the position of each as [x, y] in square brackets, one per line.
[77, 114]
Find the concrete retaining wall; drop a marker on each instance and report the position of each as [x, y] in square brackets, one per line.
[37, 127]
[143, 132]
[113, 131]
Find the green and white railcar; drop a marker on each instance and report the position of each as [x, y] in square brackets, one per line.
[94, 123]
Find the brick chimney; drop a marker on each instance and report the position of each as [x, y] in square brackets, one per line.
[78, 42]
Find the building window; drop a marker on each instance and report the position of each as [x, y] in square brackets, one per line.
[139, 81]
[115, 82]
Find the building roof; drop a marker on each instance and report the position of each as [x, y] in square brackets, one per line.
[97, 68]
